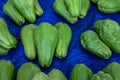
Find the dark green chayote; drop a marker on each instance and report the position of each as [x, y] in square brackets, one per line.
[27, 71]
[80, 72]
[92, 43]
[56, 74]
[28, 41]
[7, 71]
[109, 32]
[46, 38]
[101, 76]
[114, 70]
[65, 36]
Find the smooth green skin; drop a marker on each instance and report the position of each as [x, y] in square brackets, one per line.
[109, 6]
[114, 70]
[27, 71]
[7, 70]
[60, 8]
[91, 42]
[26, 8]
[56, 74]
[80, 72]
[12, 12]
[101, 76]
[46, 38]
[3, 51]
[38, 9]
[73, 7]
[84, 6]
[40, 76]
[65, 36]
[109, 32]
[28, 41]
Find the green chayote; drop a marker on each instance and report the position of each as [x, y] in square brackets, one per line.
[92, 43]
[109, 32]
[46, 38]
[7, 70]
[80, 72]
[101, 76]
[64, 38]
[27, 71]
[61, 9]
[114, 70]
[56, 74]
[28, 41]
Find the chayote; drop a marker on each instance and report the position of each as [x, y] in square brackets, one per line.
[80, 72]
[109, 6]
[109, 32]
[101, 76]
[114, 70]
[92, 43]
[27, 71]
[56, 74]
[61, 9]
[12, 12]
[6, 70]
[46, 38]
[28, 41]
[64, 38]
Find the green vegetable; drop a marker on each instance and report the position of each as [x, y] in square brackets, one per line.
[12, 12]
[65, 36]
[80, 72]
[92, 43]
[56, 74]
[27, 71]
[28, 41]
[61, 9]
[6, 70]
[46, 38]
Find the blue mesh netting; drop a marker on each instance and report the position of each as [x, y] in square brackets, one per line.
[76, 53]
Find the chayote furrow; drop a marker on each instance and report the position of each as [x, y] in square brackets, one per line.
[27, 71]
[12, 12]
[80, 72]
[46, 38]
[61, 9]
[28, 41]
[64, 38]
[92, 43]
[7, 70]
[56, 74]
[109, 32]
[101, 76]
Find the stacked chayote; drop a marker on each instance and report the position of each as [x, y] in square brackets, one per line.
[21, 10]
[71, 10]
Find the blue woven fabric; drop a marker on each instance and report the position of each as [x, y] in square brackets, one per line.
[76, 53]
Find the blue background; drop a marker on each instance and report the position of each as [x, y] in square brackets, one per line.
[76, 53]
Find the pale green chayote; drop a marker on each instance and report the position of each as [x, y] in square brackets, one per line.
[92, 43]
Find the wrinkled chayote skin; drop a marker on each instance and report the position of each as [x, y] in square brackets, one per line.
[109, 32]
[61, 9]
[56, 74]
[101, 76]
[80, 72]
[7, 70]
[114, 70]
[41, 76]
[12, 12]
[109, 6]
[7, 41]
[27, 71]
[46, 38]
[28, 41]
[92, 43]
[64, 38]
